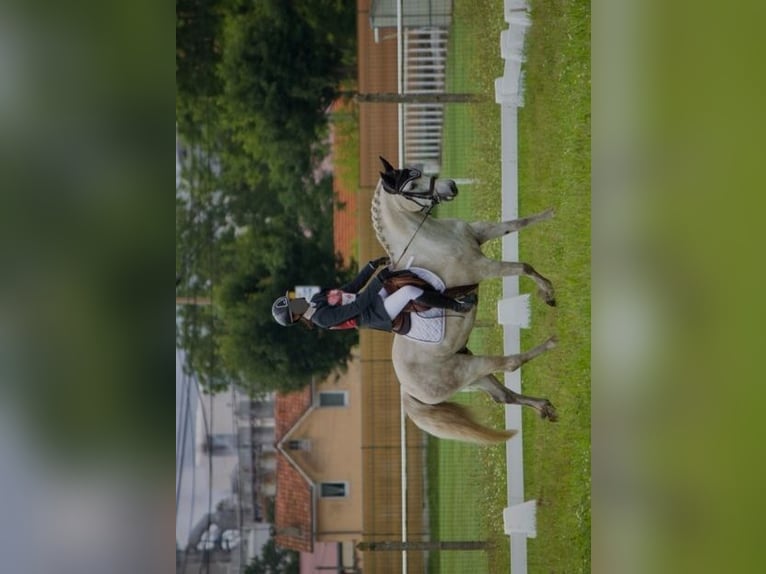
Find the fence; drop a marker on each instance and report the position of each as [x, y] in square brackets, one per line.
[425, 71]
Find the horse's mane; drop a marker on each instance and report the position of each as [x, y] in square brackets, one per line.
[377, 223]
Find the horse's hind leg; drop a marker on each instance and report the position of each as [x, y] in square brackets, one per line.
[485, 230]
[513, 362]
[502, 394]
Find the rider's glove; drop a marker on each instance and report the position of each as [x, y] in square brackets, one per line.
[375, 263]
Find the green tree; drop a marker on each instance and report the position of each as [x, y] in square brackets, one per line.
[285, 239]
[253, 345]
[198, 46]
[254, 82]
[198, 56]
[274, 560]
[280, 73]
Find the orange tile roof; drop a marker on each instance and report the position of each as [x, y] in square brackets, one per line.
[288, 409]
[345, 216]
[293, 512]
[344, 223]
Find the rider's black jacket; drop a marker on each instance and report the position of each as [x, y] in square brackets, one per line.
[366, 311]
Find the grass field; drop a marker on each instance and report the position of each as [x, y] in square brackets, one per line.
[554, 171]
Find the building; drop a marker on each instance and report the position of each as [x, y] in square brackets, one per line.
[319, 471]
[227, 476]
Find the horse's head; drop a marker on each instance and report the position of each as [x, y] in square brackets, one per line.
[410, 183]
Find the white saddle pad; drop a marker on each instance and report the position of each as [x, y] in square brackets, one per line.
[428, 326]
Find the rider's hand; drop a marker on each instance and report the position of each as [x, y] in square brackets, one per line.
[375, 263]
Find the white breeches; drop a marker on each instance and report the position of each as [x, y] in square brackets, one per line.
[398, 300]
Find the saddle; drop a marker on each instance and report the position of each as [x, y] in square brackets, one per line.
[394, 280]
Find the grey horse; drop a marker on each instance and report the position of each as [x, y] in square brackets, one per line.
[430, 373]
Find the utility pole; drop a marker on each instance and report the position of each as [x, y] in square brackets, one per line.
[418, 98]
[193, 300]
[400, 545]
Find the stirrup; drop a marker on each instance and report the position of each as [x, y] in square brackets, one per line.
[466, 302]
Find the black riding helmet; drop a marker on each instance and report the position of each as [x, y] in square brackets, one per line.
[284, 309]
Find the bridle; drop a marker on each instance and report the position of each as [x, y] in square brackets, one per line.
[417, 198]
[431, 196]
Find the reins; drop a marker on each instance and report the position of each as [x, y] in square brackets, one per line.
[435, 200]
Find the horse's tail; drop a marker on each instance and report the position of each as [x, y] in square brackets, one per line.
[451, 421]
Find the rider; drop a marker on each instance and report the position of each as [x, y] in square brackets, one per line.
[350, 306]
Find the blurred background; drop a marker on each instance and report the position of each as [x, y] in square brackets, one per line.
[677, 308]
[86, 228]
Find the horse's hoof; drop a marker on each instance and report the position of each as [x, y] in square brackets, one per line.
[549, 412]
[551, 302]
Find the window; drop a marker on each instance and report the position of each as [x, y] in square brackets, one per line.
[299, 444]
[333, 398]
[333, 489]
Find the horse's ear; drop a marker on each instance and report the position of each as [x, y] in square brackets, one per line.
[388, 181]
[387, 166]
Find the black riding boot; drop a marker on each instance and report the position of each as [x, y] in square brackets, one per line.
[436, 299]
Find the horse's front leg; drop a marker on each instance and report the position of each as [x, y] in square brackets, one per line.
[485, 230]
